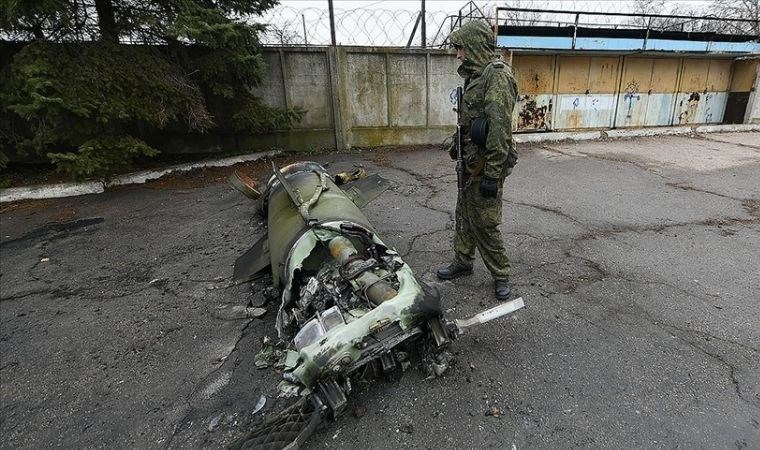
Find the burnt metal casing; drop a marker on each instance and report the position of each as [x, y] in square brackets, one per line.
[286, 225]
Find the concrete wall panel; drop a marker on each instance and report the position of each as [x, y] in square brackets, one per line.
[308, 87]
[272, 91]
[443, 79]
[408, 93]
[371, 137]
[368, 89]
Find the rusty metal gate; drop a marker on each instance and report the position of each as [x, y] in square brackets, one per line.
[567, 92]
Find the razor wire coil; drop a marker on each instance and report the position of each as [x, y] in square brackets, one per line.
[288, 25]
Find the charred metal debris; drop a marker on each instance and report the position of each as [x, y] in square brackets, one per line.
[350, 309]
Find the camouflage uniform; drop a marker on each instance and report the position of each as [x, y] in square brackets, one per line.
[490, 91]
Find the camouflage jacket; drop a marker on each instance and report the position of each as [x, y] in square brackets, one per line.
[490, 91]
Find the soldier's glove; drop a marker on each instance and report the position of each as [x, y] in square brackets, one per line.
[489, 187]
[453, 151]
[452, 146]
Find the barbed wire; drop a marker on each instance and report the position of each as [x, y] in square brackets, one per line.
[287, 25]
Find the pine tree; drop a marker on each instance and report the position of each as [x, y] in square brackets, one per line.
[92, 78]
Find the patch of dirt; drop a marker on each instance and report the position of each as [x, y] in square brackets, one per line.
[26, 206]
[32, 173]
[752, 206]
[382, 157]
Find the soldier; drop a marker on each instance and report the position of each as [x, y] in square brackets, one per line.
[488, 152]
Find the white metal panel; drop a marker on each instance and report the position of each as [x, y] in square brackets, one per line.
[584, 111]
[699, 107]
[659, 109]
[640, 110]
[631, 109]
[715, 106]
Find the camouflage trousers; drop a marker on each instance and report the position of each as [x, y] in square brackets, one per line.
[478, 221]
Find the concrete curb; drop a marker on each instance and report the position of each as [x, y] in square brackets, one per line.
[148, 175]
[97, 187]
[50, 191]
[632, 132]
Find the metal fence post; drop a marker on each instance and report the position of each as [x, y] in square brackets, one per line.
[332, 21]
[305, 39]
[575, 29]
[422, 18]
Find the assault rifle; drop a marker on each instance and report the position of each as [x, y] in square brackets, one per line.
[460, 163]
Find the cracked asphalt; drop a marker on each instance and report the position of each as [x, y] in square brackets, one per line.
[637, 260]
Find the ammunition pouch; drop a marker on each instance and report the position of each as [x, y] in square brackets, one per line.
[479, 131]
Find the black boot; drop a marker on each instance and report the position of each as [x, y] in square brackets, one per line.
[454, 270]
[502, 289]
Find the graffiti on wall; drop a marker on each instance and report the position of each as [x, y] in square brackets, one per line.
[631, 96]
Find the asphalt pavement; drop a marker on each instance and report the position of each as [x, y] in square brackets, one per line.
[638, 261]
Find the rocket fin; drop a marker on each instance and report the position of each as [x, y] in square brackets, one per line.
[250, 263]
[364, 190]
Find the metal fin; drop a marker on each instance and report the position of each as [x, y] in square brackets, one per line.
[294, 197]
[250, 263]
[244, 184]
[490, 314]
[364, 190]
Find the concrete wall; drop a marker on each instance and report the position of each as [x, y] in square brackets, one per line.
[359, 96]
[368, 97]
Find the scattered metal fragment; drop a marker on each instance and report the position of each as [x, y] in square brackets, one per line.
[345, 177]
[291, 360]
[259, 404]
[255, 312]
[288, 389]
[265, 357]
[288, 429]
[214, 423]
[490, 314]
[494, 411]
[245, 184]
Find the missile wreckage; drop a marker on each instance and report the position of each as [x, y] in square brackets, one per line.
[349, 307]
